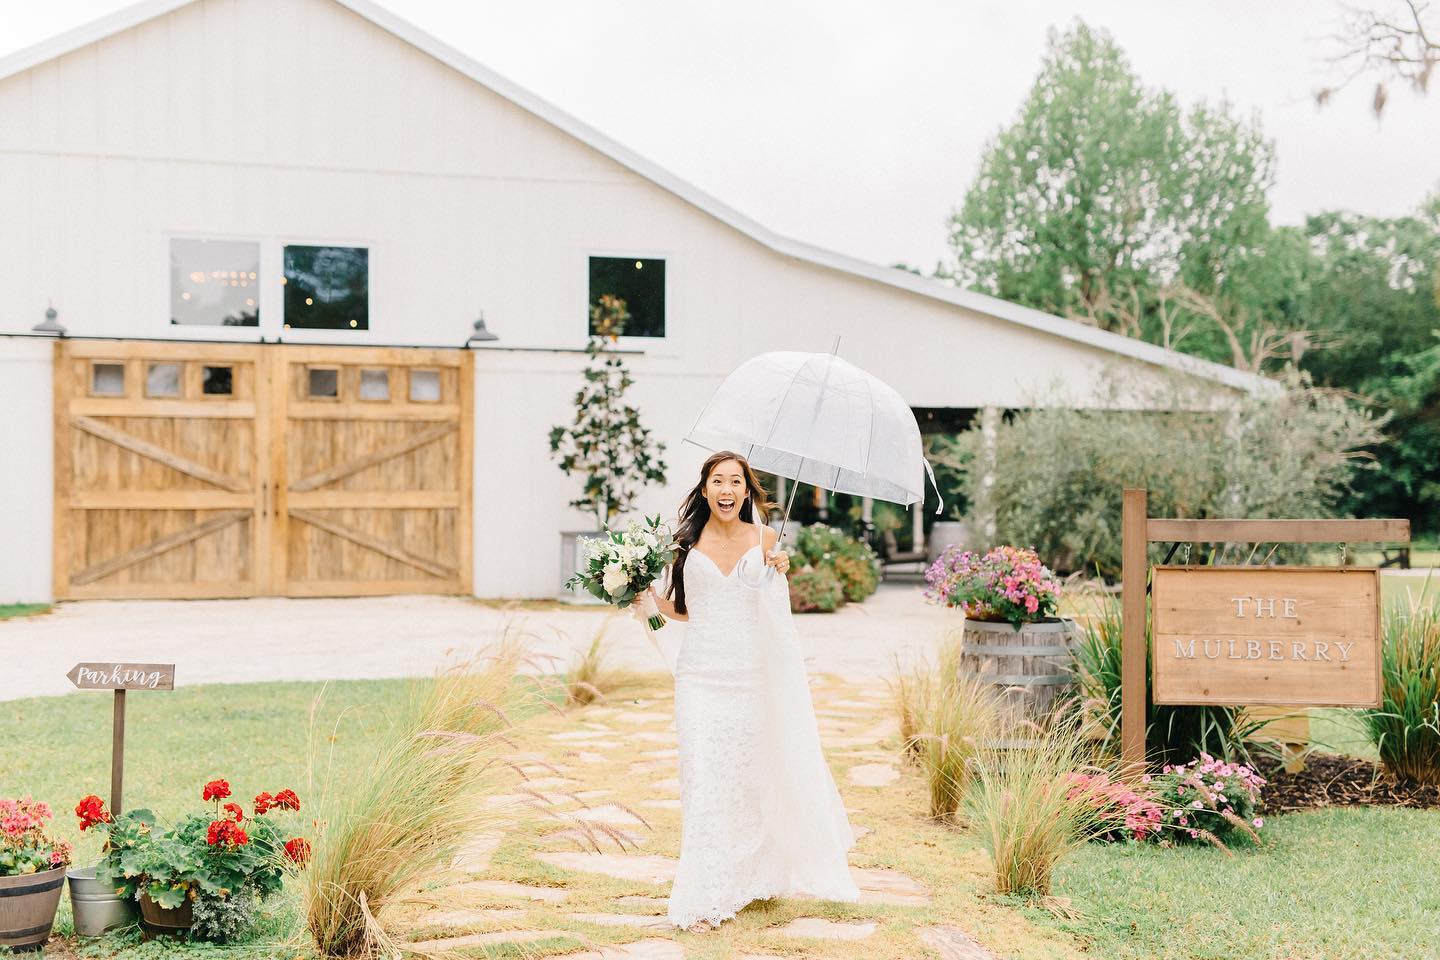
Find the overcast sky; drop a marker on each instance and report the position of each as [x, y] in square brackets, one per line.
[858, 125]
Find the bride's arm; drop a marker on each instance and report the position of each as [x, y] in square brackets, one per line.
[667, 607]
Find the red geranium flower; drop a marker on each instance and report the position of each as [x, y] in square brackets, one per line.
[91, 811]
[298, 849]
[226, 833]
[263, 803]
[287, 800]
[215, 790]
[236, 812]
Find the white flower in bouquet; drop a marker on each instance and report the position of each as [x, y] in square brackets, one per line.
[621, 566]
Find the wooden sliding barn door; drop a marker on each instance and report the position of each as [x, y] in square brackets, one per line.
[372, 471]
[159, 491]
[214, 470]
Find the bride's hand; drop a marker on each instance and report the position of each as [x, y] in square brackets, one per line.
[778, 559]
[638, 606]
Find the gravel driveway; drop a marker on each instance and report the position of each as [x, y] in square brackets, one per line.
[268, 638]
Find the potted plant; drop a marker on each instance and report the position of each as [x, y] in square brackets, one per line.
[1009, 599]
[32, 873]
[604, 442]
[97, 907]
[203, 874]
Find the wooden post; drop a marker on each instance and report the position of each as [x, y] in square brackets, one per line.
[1134, 570]
[117, 754]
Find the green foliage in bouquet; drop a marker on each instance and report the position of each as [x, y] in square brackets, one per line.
[622, 564]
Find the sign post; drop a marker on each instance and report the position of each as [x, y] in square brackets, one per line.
[121, 677]
[1246, 635]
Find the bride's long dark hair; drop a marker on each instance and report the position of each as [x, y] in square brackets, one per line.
[695, 513]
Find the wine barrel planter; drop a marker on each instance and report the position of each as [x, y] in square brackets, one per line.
[1032, 666]
[97, 907]
[27, 908]
[170, 921]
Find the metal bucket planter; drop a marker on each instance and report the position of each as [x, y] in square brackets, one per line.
[97, 906]
[1032, 666]
[172, 922]
[27, 908]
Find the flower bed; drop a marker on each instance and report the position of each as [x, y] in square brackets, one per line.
[1005, 585]
[833, 568]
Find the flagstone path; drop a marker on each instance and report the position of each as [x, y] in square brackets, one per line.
[591, 871]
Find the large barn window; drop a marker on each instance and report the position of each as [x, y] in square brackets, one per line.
[327, 288]
[640, 282]
[215, 282]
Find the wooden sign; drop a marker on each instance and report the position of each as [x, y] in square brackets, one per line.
[1296, 636]
[123, 676]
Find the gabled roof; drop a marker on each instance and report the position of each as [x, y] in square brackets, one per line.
[144, 10]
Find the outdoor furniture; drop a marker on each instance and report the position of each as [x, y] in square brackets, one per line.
[895, 560]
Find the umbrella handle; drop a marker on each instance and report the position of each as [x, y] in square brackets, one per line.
[791, 502]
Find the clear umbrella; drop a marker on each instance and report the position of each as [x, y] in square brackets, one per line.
[818, 419]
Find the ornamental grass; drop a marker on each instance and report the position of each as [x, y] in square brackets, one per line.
[1029, 809]
[590, 679]
[947, 716]
[1406, 727]
[394, 828]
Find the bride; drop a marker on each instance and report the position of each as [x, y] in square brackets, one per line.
[761, 815]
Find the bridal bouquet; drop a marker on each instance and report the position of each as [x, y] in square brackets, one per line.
[623, 563]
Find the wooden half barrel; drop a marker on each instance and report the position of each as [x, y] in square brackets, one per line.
[1032, 666]
[27, 908]
[165, 921]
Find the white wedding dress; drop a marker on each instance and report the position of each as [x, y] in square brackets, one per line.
[761, 815]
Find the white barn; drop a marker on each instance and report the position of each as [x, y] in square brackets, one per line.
[191, 186]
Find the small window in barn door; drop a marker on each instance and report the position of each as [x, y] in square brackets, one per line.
[162, 380]
[375, 385]
[107, 379]
[323, 383]
[217, 381]
[424, 386]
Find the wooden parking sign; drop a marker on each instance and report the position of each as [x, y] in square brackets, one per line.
[1307, 636]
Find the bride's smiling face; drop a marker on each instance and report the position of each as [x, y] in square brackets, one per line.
[725, 490]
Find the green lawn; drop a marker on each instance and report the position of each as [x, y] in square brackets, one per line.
[1334, 885]
[1344, 884]
[11, 610]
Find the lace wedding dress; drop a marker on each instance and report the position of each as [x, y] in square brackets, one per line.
[761, 815]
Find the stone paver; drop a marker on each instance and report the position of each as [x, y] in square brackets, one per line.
[952, 943]
[623, 920]
[550, 783]
[596, 837]
[648, 868]
[653, 904]
[873, 775]
[878, 885]
[507, 888]
[465, 918]
[652, 766]
[474, 856]
[670, 752]
[651, 949]
[664, 803]
[587, 756]
[670, 785]
[580, 735]
[823, 929]
[482, 939]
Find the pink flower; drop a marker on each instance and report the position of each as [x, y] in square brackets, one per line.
[1258, 822]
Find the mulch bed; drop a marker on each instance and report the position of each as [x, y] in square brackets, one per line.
[1335, 781]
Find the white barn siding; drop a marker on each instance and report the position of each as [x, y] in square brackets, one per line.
[303, 121]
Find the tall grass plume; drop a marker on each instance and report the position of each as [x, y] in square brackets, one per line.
[1406, 727]
[590, 678]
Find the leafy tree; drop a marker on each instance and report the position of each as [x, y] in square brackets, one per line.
[1104, 195]
[605, 441]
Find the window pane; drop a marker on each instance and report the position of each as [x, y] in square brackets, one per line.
[163, 380]
[324, 382]
[327, 288]
[424, 386]
[374, 384]
[640, 284]
[217, 381]
[107, 379]
[213, 282]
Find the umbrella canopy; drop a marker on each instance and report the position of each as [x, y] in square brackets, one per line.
[816, 418]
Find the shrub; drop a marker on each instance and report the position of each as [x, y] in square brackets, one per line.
[1060, 472]
[1123, 813]
[1406, 727]
[849, 560]
[815, 590]
[1210, 800]
[223, 919]
[1172, 733]
[1008, 584]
